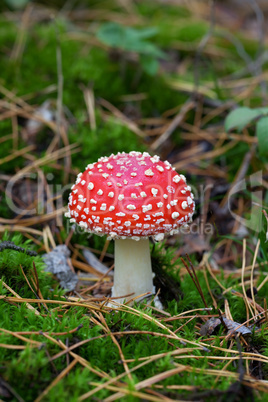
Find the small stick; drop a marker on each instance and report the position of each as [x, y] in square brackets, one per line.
[266, 217]
[70, 235]
[192, 267]
[12, 246]
[190, 104]
[105, 247]
[29, 306]
[194, 279]
[25, 277]
[222, 320]
[265, 308]
[98, 282]
[36, 278]
[197, 280]
[30, 286]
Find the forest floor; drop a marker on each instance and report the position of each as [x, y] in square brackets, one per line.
[186, 80]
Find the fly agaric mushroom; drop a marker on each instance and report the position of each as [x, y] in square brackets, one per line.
[130, 197]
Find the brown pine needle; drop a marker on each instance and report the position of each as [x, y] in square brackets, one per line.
[56, 380]
[19, 299]
[194, 278]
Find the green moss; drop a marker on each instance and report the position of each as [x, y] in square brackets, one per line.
[80, 65]
[109, 137]
[37, 372]
[12, 260]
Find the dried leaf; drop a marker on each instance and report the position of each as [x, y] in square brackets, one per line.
[56, 263]
[233, 327]
[209, 327]
[94, 262]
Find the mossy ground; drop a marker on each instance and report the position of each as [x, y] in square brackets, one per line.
[31, 41]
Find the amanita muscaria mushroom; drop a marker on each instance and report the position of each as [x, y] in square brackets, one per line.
[130, 197]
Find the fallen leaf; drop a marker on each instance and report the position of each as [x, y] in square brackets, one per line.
[94, 262]
[233, 327]
[57, 263]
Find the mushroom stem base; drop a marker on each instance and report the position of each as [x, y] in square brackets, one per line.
[133, 269]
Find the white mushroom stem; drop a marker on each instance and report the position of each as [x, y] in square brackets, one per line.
[133, 269]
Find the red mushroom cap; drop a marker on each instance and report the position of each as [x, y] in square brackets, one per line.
[131, 195]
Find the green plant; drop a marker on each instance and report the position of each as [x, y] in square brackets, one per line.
[244, 116]
[16, 264]
[133, 40]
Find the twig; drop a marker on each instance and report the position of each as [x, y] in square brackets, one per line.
[4, 384]
[251, 276]
[124, 119]
[266, 217]
[16, 153]
[56, 380]
[100, 279]
[242, 276]
[222, 320]
[20, 42]
[194, 278]
[174, 124]
[10, 245]
[90, 104]
[36, 279]
[15, 132]
[202, 45]
[18, 298]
